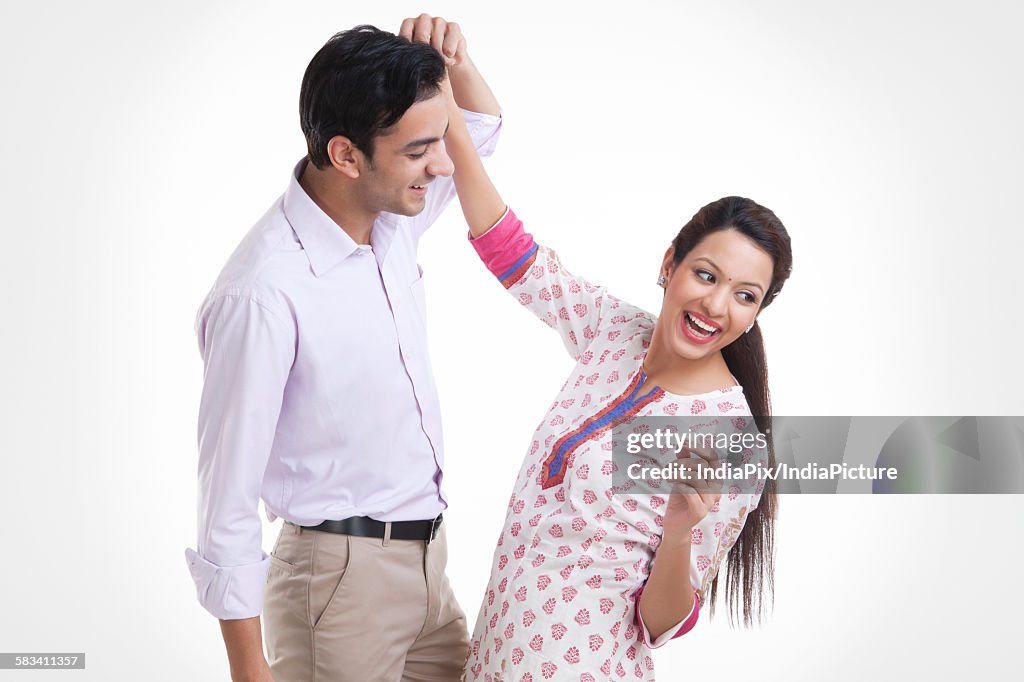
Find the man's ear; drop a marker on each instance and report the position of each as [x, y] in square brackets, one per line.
[345, 156]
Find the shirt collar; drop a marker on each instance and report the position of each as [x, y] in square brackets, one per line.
[324, 242]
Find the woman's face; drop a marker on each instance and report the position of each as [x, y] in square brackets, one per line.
[714, 294]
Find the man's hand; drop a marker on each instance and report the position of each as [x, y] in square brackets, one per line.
[244, 642]
[693, 496]
[445, 37]
[260, 675]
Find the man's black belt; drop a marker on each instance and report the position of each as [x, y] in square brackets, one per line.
[365, 527]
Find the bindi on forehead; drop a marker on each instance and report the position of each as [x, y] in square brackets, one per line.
[728, 279]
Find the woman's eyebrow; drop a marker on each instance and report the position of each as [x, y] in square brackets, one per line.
[749, 284]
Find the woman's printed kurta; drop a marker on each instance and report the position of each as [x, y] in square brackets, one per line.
[560, 604]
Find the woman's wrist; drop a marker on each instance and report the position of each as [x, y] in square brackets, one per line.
[676, 538]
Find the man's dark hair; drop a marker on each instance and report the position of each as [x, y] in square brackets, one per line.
[360, 82]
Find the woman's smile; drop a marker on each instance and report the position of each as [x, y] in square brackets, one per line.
[698, 328]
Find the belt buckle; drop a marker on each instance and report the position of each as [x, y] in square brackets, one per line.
[434, 525]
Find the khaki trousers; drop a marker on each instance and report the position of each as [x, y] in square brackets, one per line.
[340, 608]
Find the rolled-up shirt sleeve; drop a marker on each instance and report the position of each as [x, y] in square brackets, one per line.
[248, 349]
[484, 130]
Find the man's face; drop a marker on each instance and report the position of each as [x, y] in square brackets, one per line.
[407, 158]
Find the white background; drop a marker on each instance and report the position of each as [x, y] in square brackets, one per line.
[139, 141]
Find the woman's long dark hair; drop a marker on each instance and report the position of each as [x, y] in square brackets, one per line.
[751, 561]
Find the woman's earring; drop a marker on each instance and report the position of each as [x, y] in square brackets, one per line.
[662, 280]
[748, 328]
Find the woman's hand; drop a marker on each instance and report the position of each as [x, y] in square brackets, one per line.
[693, 494]
[481, 203]
[469, 87]
[665, 600]
[444, 36]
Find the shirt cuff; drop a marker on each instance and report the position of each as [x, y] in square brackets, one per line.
[677, 630]
[483, 130]
[229, 592]
[506, 249]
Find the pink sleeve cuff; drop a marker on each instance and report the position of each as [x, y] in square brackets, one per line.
[506, 249]
[678, 630]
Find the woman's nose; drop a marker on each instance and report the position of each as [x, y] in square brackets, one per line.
[715, 302]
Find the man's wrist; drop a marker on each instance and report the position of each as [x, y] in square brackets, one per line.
[250, 670]
[254, 671]
[243, 639]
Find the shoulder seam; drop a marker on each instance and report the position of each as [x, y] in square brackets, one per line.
[250, 297]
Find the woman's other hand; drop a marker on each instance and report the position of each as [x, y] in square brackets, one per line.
[694, 493]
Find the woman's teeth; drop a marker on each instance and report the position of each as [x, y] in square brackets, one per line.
[699, 328]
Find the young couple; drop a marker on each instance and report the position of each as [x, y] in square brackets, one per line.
[318, 399]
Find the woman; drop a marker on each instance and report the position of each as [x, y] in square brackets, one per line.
[585, 580]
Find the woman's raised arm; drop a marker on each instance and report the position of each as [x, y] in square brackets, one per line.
[481, 204]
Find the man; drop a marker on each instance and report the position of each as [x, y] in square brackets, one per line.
[318, 395]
